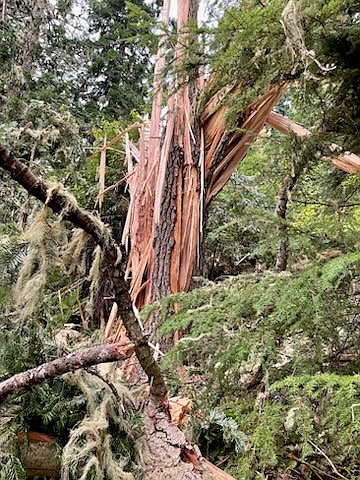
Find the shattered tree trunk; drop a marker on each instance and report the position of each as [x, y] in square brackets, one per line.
[180, 168]
[179, 177]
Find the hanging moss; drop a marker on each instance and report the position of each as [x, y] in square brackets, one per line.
[44, 240]
[107, 444]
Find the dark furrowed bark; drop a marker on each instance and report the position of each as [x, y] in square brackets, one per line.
[164, 233]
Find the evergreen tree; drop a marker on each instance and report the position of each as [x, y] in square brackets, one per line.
[91, 57]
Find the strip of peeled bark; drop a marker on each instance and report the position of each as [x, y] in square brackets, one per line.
[75, 360]
[59, 202]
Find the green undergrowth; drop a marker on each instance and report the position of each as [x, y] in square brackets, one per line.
[91, 415]
[304, 417]
[278, 355]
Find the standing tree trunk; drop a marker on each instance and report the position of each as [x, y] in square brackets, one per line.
[283, 198]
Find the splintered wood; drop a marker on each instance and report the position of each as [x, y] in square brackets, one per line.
[347, 161]
[163, 218]
[224, 151]
[179, 408]
[175, 172]
[180, 165]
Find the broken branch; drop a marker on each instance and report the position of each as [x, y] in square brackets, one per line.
[75, 360]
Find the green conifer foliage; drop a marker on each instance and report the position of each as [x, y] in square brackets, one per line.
[267, 350]
[258, 44]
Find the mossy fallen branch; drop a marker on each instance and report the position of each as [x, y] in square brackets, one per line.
[75, 360]
[58, 200]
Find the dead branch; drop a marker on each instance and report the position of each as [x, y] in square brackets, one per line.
[75, 360]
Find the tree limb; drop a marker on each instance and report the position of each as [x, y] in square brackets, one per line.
[59, 203]
[75, 360]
